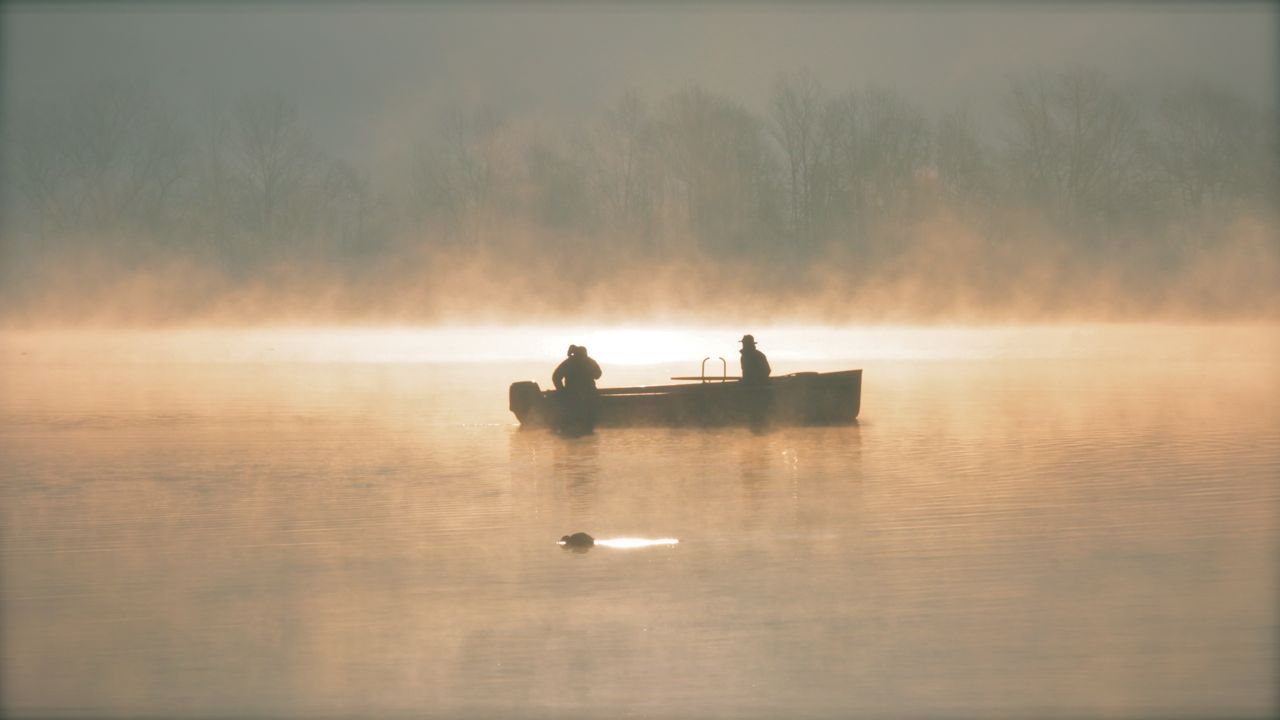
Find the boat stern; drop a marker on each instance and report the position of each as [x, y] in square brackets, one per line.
[525, 400]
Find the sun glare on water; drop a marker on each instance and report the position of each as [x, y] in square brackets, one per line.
[632, 543]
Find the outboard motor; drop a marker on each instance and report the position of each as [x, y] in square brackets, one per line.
[522, 398]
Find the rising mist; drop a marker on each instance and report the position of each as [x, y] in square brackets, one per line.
[1058, 189]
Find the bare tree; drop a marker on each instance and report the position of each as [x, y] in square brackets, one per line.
[558, 186]
[212, 209]
[343, 213]
[897, 148]
[37, 166]
[718, 168]
[1034, 148]
[621, 145]
[797, 125]
[1074, 145]
[880, 144]
[1209, 146]
[458, 178]
[963, 164]
[275, 158]
[109, 159]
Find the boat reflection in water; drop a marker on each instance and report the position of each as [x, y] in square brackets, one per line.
[806, 398]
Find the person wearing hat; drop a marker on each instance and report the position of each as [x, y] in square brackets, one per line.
[755, 366]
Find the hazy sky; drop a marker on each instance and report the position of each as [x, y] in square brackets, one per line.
[368, 79]
[373, 83]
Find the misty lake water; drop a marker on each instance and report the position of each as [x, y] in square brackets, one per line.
[1088, 534]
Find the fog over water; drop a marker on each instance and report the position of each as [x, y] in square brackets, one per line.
[1055, 522]
[245, 164]
[267, 272]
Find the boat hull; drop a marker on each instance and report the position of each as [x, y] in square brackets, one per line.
[799, 399]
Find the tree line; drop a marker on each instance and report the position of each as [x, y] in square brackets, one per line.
[846, 180]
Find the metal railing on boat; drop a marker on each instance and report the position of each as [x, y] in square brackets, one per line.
[724, 375]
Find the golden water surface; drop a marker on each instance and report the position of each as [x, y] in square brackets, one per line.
[1075, 523]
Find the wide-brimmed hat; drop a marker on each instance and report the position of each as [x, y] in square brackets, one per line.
[748, 340]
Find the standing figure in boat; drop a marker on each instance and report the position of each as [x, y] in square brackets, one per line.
[575, 380]
[755, 366]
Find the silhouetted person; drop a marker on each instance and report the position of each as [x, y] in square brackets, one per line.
[578, 372]
[755, 366]
[758, 396]
[575, 379]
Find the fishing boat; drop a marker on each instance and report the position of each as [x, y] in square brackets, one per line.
[803, 398]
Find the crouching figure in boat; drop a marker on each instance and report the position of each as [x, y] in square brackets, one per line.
[575, 381]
